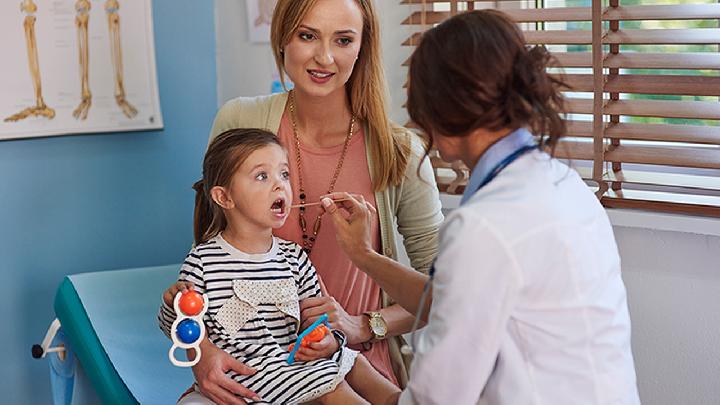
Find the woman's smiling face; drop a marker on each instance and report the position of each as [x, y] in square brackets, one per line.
[321, 55]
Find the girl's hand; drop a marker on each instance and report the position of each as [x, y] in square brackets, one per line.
[355, 328]
[318, 350]
[170, 293]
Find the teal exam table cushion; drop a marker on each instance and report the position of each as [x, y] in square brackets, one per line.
[110, 320]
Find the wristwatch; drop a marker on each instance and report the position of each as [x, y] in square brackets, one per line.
[378, 327]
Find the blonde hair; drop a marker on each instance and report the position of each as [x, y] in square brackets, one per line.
[365, 88]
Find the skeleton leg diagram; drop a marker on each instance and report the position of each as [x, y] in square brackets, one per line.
[265, 11]
[112, 7]
[39, 109]
[82, 7]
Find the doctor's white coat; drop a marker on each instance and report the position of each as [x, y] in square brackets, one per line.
[528, 302]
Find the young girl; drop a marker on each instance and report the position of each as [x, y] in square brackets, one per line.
[254, 282]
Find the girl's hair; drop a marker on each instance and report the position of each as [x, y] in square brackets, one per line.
[225, 154]
[366, 87]
[474, 71]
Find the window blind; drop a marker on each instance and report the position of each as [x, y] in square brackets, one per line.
[643, 109]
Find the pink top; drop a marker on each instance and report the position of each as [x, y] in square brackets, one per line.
[353, 289]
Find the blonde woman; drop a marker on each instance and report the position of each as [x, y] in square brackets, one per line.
[335, 127]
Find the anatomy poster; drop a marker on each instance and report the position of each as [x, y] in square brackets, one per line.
[77, 66]
[259, 17]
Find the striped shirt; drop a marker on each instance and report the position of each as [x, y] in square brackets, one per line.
[254, 313]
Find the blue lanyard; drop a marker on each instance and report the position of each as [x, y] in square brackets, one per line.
[503, 164]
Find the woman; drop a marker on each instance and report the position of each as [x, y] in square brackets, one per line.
[528, 304]
[335, 127]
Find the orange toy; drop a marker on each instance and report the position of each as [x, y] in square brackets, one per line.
[191, 303]
[315, 335]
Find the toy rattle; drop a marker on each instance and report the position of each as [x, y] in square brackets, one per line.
[315, 333]
[188, 329]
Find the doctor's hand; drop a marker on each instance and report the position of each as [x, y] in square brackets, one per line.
[352, 218]
[214, 384]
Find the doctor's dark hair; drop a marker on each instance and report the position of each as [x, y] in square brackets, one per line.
[224, 156]
[474, 71]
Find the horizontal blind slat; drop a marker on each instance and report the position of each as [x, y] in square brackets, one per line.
[650, 108]
[637, 37]
[664, 202]
[663, 12]
[667, 109]
[648, 84]
[701, 134]
[638, 60]
[665, 156]
[664, 36]
[665, 132]
[689, 181]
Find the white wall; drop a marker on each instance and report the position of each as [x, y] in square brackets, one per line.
[672, 275]
[673, 283]
[243, 68]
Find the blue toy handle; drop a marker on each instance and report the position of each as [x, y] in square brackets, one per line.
[322, 320]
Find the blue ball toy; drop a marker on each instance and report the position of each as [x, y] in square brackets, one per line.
[188, 331]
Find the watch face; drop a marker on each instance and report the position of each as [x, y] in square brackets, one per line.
[378, 326]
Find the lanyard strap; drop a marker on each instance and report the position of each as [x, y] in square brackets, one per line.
[505, 163]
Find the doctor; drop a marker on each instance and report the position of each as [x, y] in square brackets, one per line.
[528, 305]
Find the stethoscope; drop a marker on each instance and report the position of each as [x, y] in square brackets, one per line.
[405, 349]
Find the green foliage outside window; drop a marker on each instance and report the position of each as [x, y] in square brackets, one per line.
[665, 24]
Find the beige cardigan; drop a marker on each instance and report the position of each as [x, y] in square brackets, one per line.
[414, 203]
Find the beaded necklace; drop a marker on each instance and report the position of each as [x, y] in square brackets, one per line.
[309, 240]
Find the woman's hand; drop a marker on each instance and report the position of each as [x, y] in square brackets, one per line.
[352, 216]
[318, 350]
[214, 384]
[170, 293]
[355, 328]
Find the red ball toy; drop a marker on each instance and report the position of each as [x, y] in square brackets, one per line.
[191, 303]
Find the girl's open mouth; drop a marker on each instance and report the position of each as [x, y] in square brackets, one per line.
[278, 206]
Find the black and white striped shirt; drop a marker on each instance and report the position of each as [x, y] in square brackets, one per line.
[253, 315]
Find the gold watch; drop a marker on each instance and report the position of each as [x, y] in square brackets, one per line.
[378, 327]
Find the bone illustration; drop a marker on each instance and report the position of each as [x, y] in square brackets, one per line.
[111, 8]
[39, 109]
[82, 8]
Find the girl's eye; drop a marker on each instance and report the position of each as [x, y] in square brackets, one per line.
[261, 176]
[345, 41]
[285, 175]
[306, 36]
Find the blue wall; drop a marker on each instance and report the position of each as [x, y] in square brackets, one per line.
[101, 202]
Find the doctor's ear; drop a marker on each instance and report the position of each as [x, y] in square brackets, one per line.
[221, 197]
